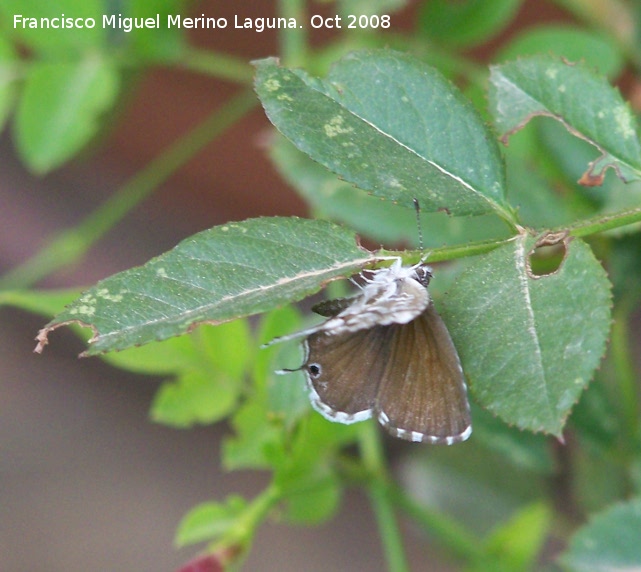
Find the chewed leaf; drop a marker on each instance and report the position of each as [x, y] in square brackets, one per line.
[390, 125]
[217, 275]
[583, 101]
[530, 344]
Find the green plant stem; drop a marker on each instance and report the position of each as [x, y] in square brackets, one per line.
[69, 246]
[293, 41]
[601, 223]
[377, 485]
[242, 532]
[586, 227]
[625, 374]
[447, 252]
[221, 66]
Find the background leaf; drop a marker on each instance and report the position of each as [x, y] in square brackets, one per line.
[585, 102]
[575, 44]
[610, 541]
[530, 345]
[50, 41]
[217, 275]
[209, 520]
[208, 388]
[60, 108]
[466, 22]
[391, 125]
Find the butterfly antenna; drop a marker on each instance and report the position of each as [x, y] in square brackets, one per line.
[417, 208]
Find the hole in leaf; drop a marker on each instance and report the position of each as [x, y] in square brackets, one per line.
[547, 256]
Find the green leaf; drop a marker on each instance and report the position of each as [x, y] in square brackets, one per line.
[530, 344]
[306, 472]
[256, 432]
[209, 367]
[574, 44]
[229, 347]
[60, 109]
[392, 125]
[163, 358]
[538, 204]
[209, 521]
[195, 397]
[287, 395]
[276, 357]
[465, 23]
[314, 498]
[583, 101]
[227, 272]
[610, 541]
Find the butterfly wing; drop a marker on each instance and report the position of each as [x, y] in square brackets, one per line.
[422, 394]
[344, 372]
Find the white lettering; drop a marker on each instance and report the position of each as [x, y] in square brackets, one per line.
[56, 23]
[127, 24]
[260, 24]
[201, 22]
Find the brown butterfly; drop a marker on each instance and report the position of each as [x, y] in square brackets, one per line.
[388, 353]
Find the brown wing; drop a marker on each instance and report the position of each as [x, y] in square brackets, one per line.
[422, 394]
[344, 372]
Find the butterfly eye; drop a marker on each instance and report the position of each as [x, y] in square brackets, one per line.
[423, 275]
[314, 370]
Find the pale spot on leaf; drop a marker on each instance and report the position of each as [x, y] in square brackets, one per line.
[623, 120]
[272, 85]
[336, 127]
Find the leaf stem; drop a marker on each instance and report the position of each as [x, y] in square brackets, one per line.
[625, 374]
[242, 532]
[373, 459]
[216, 64]
[293, 41]
[581, 228]
[601, 223]
[70, 245]
[446, 252]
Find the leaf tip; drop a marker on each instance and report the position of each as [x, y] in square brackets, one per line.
[271, 60]
[43, 339]
[43, 335]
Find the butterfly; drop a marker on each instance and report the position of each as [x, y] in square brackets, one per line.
[387, 353]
